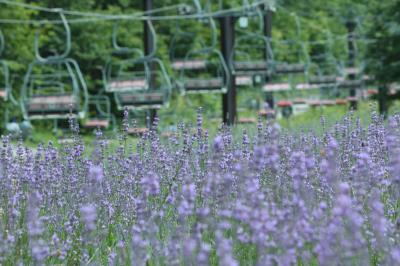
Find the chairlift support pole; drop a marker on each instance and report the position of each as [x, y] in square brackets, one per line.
[351, 25]
[227, 27]
[148, 44]
[267, 19]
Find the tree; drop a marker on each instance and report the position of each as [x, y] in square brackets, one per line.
[383, 54]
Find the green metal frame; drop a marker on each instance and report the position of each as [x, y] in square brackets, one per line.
[139, 98]
[299, 51]
[115, 69]
[67, 49]
[245, 63]
[138, 72]
[7, 86]
[118, 49]
[251, 53]
[78, 88]
[102, 106]
[208, 79]
[218, 67]
[5, 74]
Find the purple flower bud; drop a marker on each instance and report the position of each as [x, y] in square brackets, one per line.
[89, 216]
[218, 143]
[150, 184]
[96, 173]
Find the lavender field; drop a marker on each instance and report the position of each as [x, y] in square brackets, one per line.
[270, 198]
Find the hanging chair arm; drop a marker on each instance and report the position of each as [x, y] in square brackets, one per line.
[224, 66]
[122, 49]
[101, 101]
[10, 91]
[82, 83]
[2, 42]
[24, 89]
[67, 49]
[165, 75]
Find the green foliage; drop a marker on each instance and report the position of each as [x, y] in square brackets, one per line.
[384, 52]
[91, 42]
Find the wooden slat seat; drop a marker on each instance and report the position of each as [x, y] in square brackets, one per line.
[352, 99]
[315, 103]
[341, 101]
[307, 86]
[322, 80]
[3, 93]
[367, 78]
[151, 99]
[268, 113]
[169, 134]
[94, 123]
[289, 68]
[247, 120]
[137, 131]
[244, 80]
[204, 85]
[328, 102]
[372, 91]
[299, 101]
[52, 104]
[189, 64]
[274, 87]
[352, 70]
[127, 85]
[64, 141]
[250, 65]
[284, 104]
[350, 84]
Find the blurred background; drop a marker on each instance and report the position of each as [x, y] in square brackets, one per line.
[239, 60]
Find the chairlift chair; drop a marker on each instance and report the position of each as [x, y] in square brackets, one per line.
[198, 70]
[154, 97]
[138, 81]
[61, 91]
[99, 113]
[128, 73]
[251, 52]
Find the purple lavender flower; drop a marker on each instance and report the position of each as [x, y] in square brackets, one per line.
[96, 173]
[89, 216]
